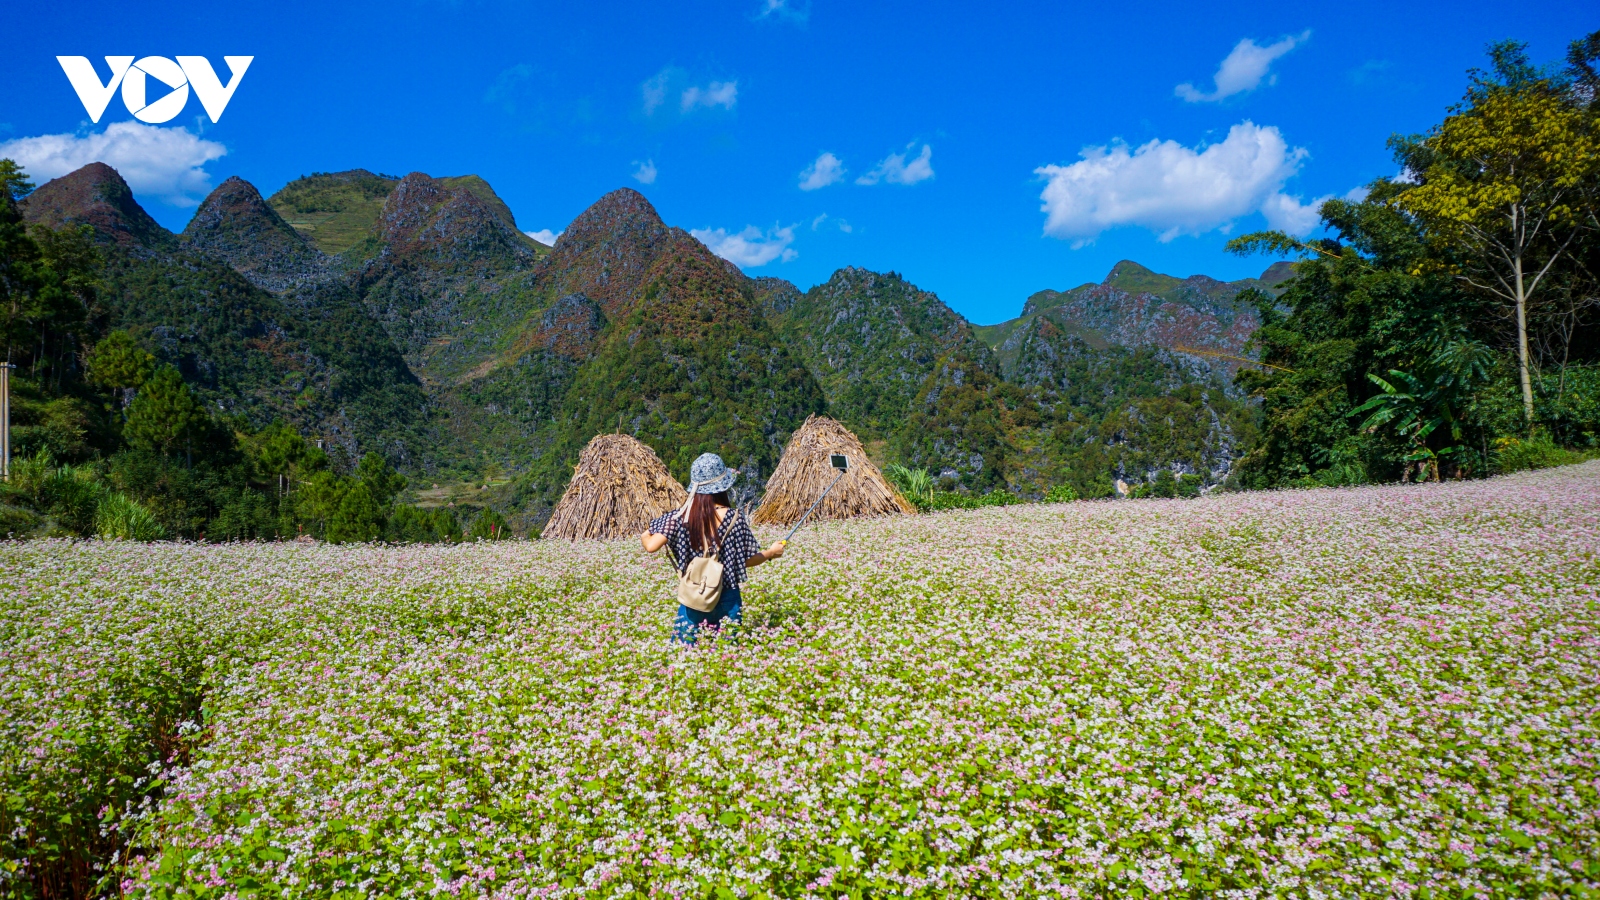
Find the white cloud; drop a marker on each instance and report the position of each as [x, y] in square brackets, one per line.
[783, 10]
[750, 247]
[1243, 69]
[718, 93]
[828, 169]
[673, 81]
[654, 90]
[165, 163]
[1166, 187]
[1288, 214]
[646, 171]
[545, 236]
[843, 225]
[895, 170]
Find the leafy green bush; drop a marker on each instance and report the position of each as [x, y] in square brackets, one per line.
[246, 515]
[1538, 452]
[28, 474]
[1169, 486]
[489, 526]
[15, 521]
[120, 518]
[1061, 493]
[66, 494]
[411, 525]
[918, 486]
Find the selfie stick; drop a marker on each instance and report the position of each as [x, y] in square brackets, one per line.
[842, 464]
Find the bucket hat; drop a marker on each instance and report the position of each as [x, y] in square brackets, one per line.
[708, 474]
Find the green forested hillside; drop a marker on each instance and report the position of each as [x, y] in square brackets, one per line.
[162, 393]
[1059, 402]
[314, 361]
[691, 367]
[872, 340]
[1115, 412]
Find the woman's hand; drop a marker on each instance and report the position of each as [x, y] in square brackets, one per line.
[765, 556]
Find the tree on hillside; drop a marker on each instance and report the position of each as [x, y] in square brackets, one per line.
[118, 363]
[359, 517]
[280, 450]
[1506, 186]
[18, 254]
[48, 282]
[344, 509]
[166, 416]
[380, 478]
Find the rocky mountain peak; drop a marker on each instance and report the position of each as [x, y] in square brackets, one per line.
[335, 211]
[1278, 273]
[1129, 276]
[607, 252]
[96, 195]
[620, 211]
[461, 224]
[775, 296]
[237, 226]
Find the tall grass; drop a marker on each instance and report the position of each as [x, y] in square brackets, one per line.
[119, 517]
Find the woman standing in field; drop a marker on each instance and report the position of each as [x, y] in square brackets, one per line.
[708, 524]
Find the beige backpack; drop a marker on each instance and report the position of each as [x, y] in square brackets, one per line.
[700, 585]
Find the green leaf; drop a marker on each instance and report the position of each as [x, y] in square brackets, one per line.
[1518, 838]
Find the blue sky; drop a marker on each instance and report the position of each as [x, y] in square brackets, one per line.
[983, 151]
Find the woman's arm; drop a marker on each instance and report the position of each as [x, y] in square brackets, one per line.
[652, 541]
[767, 555]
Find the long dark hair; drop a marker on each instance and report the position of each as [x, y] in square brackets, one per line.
[703, 519]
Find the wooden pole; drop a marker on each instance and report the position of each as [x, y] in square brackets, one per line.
[5, 421]
[813, 507]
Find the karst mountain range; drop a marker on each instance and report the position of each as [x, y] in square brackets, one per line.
[412, 316]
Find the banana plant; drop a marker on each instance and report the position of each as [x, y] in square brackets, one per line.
[916, 484]
[1416, 406]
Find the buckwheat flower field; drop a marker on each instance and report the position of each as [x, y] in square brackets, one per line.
[1334, 693]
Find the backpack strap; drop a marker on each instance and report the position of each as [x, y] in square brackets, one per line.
[722, 532]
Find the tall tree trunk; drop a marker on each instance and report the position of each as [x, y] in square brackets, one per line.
[1522, 346]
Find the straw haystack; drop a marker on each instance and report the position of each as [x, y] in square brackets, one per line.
[618, 486]
[805, 472]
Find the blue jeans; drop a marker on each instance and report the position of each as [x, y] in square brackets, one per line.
[687, 626]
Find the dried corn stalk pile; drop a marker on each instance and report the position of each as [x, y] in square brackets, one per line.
[619, 485]
[805, 472]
